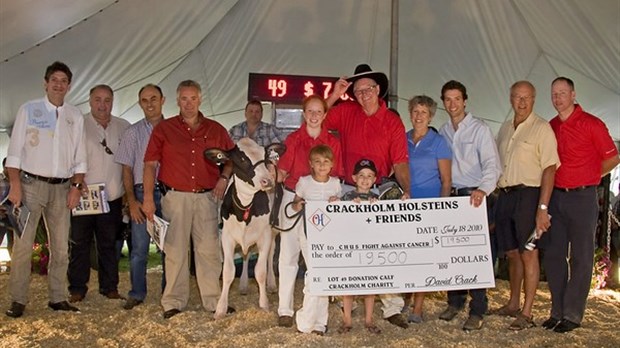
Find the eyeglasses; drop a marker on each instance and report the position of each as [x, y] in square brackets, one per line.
[105, 145]
[361, 92]
[522, 98]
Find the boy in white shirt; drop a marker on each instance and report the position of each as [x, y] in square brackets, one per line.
[319, 186]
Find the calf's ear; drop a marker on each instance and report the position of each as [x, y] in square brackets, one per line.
[215, 155]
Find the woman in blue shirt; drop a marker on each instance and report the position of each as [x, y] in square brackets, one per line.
[430, 161]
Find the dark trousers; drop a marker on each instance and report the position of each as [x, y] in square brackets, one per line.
[103, 228]
[479, 302]
[571, 235]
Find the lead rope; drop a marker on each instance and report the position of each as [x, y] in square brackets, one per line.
[297, 216]
[275, 209]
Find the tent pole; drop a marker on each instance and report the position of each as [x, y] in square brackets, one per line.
[393, 89]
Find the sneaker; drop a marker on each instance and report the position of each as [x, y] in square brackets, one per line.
[449, 313]
[16, 310]
[398, 320]
[285, 321]
[474, 322]
[131, 302]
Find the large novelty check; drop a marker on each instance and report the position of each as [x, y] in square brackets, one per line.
[397, 246]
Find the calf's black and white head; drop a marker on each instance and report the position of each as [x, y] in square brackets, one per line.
[251, 162]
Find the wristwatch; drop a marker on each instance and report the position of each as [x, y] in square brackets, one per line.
[542, 206]
[78, 185]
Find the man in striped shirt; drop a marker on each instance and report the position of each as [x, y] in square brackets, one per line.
[131, 155]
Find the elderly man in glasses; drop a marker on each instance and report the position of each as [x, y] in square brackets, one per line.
[368, 129]
[103, 134]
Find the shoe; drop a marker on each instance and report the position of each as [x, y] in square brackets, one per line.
[414, 318]
[73, 298]
[522, 322]
[285, 321]
[565, 326]
[449, 313]
[113, 295]
[405, 309]
[373, 329]
[344, 329]
[474, 322]
[550, 323]
[171, 313]
[16, 310]
[318, 332]
[62, 306]
[505, 311]
[131, 302]
[398, 320]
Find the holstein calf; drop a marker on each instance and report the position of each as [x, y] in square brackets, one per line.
[245, 212]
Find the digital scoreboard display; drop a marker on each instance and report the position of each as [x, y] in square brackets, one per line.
[289, 89]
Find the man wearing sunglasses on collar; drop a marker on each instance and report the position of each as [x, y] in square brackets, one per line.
[103, 134]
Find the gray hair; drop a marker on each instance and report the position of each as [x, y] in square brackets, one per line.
[423, 100]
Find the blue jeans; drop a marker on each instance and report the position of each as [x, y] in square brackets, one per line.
[141, 240]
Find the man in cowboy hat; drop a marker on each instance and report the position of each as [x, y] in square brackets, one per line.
[369, 130]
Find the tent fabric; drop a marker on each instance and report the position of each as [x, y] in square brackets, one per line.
[486, 44]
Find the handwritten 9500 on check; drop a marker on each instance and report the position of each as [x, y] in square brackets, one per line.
[396, 246]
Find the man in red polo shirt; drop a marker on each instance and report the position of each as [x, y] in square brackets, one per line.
[369, 130]
[586, 152]
[192, 187]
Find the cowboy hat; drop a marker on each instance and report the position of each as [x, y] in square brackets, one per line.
[363, 71]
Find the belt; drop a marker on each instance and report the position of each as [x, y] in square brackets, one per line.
[578, 188]
[141, 186]
[52, 181]
[465, 191]
[165, 188]
[508, 189]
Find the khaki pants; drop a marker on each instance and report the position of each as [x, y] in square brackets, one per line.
[51, 200]
[191, 215]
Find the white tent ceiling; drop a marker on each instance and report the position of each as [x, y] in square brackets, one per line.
[486, 44]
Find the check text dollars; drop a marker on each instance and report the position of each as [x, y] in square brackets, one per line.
[397, 246]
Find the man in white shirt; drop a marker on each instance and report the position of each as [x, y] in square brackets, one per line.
[475, 171]
[103, 135]
[46, 163]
